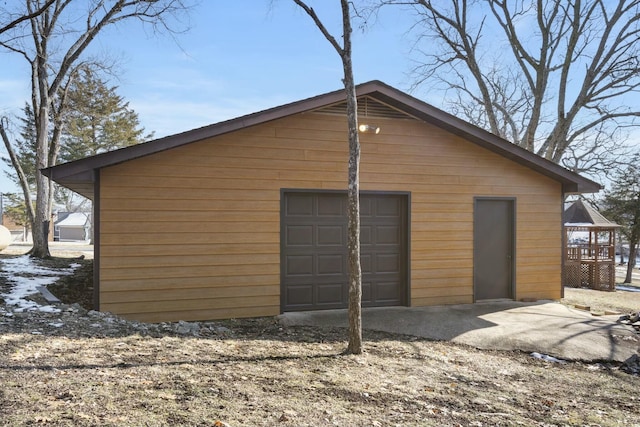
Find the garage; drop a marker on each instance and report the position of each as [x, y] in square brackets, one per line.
[261, 227]
[314, 267]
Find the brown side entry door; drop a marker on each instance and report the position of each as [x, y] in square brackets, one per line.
[493, 248]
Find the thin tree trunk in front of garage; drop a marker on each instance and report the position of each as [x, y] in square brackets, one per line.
[353, 207]
[353, 212]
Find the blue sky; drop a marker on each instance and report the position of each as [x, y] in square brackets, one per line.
[238, 57]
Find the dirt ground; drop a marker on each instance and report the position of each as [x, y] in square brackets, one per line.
[83, 368]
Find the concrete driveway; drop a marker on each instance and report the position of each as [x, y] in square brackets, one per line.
[548, 327]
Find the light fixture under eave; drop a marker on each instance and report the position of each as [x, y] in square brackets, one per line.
[369, 129]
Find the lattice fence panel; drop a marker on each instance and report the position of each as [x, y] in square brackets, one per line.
[605, 277]
[586, 274]
[572, 275]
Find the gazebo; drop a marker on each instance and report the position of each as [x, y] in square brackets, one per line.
[590, 242]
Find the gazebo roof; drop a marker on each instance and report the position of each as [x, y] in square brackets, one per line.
[582, 215]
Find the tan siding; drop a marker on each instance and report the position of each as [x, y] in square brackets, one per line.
[194, 232]
[121, 285]
[185, 271]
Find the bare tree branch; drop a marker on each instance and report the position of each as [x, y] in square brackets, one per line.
[25, 17]
[312, 13]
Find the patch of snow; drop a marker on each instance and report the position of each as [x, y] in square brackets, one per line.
[24, 276]
[547, 358]
[47, 309]
[627, 288]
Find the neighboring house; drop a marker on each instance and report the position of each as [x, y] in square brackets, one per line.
[247, 217]
[71, 227]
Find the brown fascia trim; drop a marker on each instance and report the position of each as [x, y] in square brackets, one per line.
[572, 183]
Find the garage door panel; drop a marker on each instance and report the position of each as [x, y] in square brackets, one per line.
[322, 237]
[388, 263]
[388, 235]
[296, 265]
[331, 264]
[331, 235]
[366, 292]
[300, 295]
[330, 294]
[332, 206]
[388, 207]
[299, 205]
[365, 235]
[365, 263]
[366, 208]
[387, 291]
[299, 235]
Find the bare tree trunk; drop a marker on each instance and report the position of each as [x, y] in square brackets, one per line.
[633, 252]
[355, 269]
[353, 192]
[43, 214]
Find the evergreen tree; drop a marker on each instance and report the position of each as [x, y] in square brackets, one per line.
[97, 119]
[622, 204]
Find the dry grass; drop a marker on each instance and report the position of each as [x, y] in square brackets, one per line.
[282, 379]
[600, 301]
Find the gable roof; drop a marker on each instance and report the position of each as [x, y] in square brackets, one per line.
[583, 215]
[80, 175]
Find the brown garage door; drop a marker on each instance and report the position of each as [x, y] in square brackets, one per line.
[314, 267]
